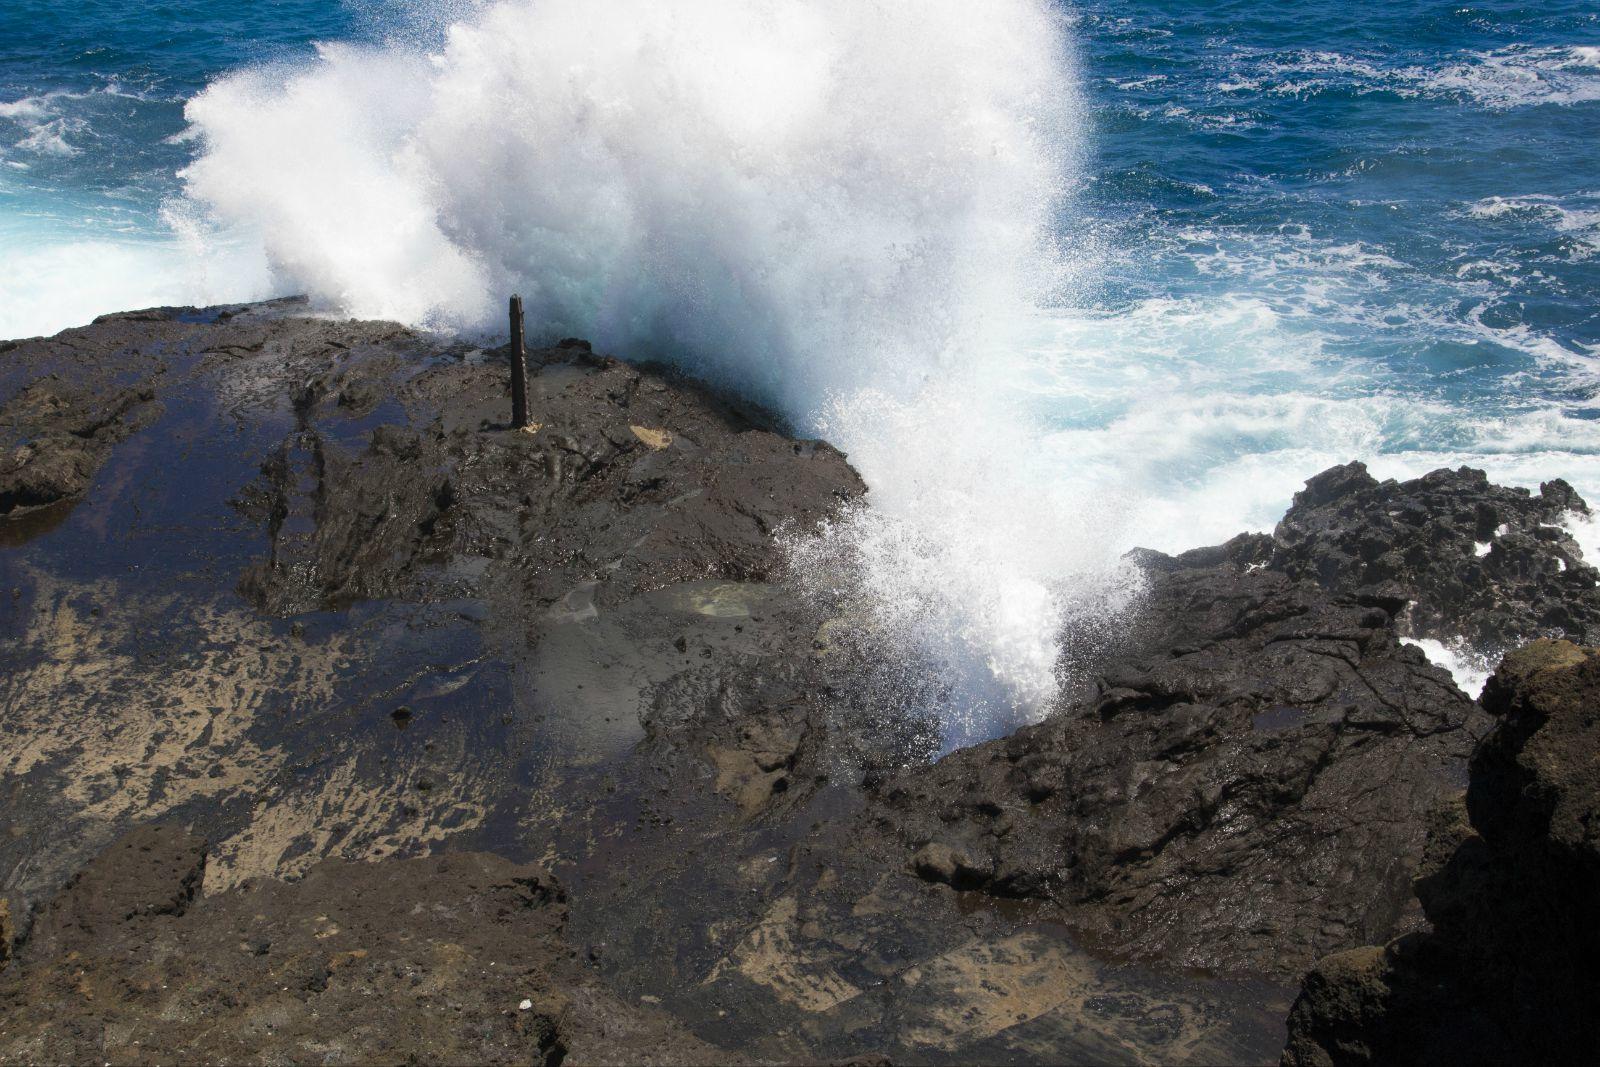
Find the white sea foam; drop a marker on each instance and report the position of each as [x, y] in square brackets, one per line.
[1517, 76]
[28, 107]
[46, 124]
[1577, 217]
[50, 138]
[45, 285]
[37, 126]
[1585, 529]
[843, 208]
[1469, 668]
[1500, 79]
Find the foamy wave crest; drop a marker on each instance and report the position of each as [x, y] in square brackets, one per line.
[1576, 218]
[37, 128]
[841, 207]
[54, 124]
[1512, 77]
[1516, 76]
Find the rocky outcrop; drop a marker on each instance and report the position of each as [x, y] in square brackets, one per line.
[1510, 886]
[56, 431]
[1245, 781]
[627, 480]
[343, 475]
[455, 959]
[452, 636]
[1244, 790]
[1490, 565]
[575, 642]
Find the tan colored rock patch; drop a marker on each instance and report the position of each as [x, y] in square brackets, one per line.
[771, 955]
[654, 440]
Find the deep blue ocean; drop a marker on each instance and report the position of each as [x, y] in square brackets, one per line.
[1299, 232]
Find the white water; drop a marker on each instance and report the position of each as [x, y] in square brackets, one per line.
[1469, 667]
[844, 208]
[58, 279]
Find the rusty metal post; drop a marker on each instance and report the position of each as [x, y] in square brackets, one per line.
[519, 369]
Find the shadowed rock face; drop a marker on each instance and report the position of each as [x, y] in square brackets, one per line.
[154, 870]
[56, 430]
[125, 965]
[1511, 886]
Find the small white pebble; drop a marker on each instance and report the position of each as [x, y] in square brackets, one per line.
[525, 1005]
[1481, 548]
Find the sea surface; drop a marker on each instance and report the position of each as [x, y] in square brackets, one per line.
[1063, 279]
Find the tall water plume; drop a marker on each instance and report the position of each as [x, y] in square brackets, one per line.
[844, 208]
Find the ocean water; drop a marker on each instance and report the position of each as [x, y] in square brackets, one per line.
[1061, 278]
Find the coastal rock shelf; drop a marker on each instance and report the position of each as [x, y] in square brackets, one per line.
[340, 720]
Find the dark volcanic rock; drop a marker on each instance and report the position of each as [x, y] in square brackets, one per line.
[584, 631]
[1247, 781]
[56, 430]
[1243, 791]
[1512, 889]
[628, 480]
[1489, 564]
[457, 959]
[573, 618]
[153, 870]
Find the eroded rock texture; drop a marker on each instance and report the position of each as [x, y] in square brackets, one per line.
[1492, 565]
[1511, 886]
[396, 547]
[457, 959]
[1245, 782]
[57, 429]
[628, 480]
[305, 595]
[1243, 791]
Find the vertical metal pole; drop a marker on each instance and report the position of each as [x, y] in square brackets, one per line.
[519, 369]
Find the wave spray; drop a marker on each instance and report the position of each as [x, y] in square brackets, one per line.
[843, 208]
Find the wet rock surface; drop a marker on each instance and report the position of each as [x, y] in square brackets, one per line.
[326, 524]
[1245, 780]
[58, 428]
[454, 959]
[1510, 886]
[317, 605]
